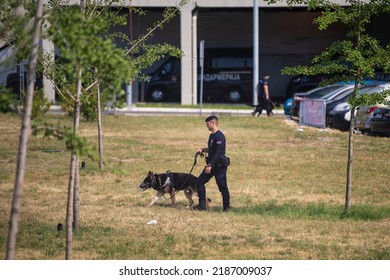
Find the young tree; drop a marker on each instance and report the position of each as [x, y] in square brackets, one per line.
[81, 35]
[24, 135]
[355, 58]
[89, 58]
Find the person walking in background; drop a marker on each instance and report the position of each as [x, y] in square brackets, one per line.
[264, 99]
[217, 164]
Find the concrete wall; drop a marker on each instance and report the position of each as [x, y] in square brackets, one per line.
[287, 37]
[209, 3]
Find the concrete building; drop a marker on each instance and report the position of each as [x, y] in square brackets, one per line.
[287, 37]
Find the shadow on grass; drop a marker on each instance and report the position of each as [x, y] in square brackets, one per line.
[317, 211]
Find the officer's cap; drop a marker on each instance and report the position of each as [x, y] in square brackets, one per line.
[210, 118]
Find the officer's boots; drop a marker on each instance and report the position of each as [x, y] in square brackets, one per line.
[201, 206]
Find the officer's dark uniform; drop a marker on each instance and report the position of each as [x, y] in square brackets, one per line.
[263, 103]
[216, 154]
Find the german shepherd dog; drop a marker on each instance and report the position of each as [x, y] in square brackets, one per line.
[170, 183]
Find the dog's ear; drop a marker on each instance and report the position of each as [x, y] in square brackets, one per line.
[150, 174]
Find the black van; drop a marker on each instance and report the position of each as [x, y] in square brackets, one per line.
[227, 77]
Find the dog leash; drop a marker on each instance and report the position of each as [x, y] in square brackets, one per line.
[192, 168]
[195, 159]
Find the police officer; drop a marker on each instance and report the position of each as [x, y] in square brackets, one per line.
[264, 99]
[217, 163]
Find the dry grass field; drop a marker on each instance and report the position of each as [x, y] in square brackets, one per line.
[287, 192]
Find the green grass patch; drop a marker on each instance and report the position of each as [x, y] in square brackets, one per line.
[287, 192]
[317, 211]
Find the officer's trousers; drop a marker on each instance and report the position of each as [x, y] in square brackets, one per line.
[220, 177]
[264, 104]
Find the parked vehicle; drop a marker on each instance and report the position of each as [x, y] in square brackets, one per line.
[339, 91]
[303, 83]
[364, 114]
[340, 116]
[227, 76]
[13, 75]
[343, 97]
[316, 93]
[333, 100]
[381, 121]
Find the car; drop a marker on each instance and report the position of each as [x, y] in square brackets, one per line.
[303, 83]
[364, 114]
[316, 93]
[333, 100]
[227, 77]
[287, 106]
[339, 117]
[332, 103]
[380, 122]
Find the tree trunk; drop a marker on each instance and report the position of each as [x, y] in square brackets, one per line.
[24, 135]
[76, 198]
[72, 175]
[72, 214]
[100, 132]
[69, 209]
[348, 191]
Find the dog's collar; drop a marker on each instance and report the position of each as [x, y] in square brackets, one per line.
[158, 181]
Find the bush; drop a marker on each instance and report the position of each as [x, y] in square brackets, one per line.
[88, 108]
[8, 100]
[41, 104]
[89, 103]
